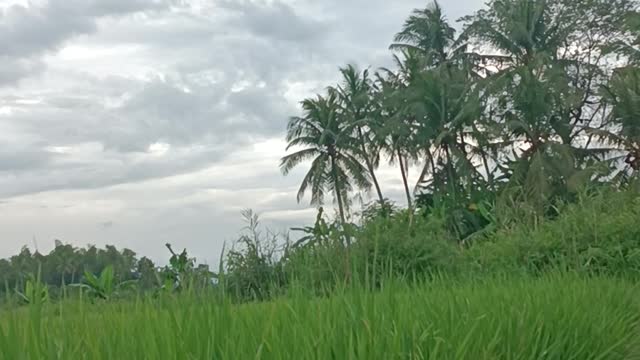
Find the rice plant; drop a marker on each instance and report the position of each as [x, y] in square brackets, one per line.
[553, 317]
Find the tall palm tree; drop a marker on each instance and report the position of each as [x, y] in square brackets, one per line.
[428, 32]
[357, 107]
[327, 140]
[521, 30]
[530, 92]
[396, 133]
[437, 90]
[446, 105]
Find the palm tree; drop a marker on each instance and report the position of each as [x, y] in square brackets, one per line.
[446, 105]
[438, 90]
[623, 92]
[531, 95]
[438, 95]
[65, 261]
[396, 133]
[355, 97]
[519, 30]
[428, 32]
[327, 141]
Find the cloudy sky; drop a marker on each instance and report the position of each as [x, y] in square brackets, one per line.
[141, 122]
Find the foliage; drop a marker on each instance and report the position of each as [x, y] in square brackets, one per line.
[512, 124]
[34, 293]
[251, 266]
[555, 317]
[175, 274]
[598, 234]
[532, 102]
[65, 264]
[328, 141]
[103, 286]
[595, 235]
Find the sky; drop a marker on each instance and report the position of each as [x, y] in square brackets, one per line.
[142, 122]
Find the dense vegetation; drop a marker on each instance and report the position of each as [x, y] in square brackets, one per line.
[533, 101]
[525, 130]
[548, 318]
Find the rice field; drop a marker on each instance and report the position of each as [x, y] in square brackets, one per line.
[555, 317]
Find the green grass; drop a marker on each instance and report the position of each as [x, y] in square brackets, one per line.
[554, 317]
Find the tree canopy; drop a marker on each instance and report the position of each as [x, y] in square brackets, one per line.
[530, 102]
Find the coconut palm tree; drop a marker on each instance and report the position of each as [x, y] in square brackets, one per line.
[428, 32]
[623, 93]
[530, 92]
[327, 140]
[437, 91]
[519, 30]
[355, 93]
[395, 135]
[446, 105]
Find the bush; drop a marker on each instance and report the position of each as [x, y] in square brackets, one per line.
[598, 234]
[389, 246]
[252, 265]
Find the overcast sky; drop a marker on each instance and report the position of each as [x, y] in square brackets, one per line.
[141, 122]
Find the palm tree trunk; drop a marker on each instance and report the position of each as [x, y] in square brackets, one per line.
[463, 144]
[452, 181]
[404, 179]
[370, 165]
[336, 185]
[347, 257]
[485, 162]
[429, 165]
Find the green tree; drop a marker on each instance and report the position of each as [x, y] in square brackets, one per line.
[535, 94]
[327, 140]
[427, 32]
[354, 94]
[398, 133]
[146, 273]
[64, 260]
[623, 93]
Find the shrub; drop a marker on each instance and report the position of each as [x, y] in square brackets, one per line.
[599, 233]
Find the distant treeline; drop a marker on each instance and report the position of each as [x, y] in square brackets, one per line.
[67, 264]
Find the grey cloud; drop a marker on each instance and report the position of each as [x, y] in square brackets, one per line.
[265, 108]
[200, 126]
[163, 111]
[275, 20]
[108, 169]
[186, 107]
[20, 160]
[28, 32]
[31, 30]
[100, 8]
[12, 70]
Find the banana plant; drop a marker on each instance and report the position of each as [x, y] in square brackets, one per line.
[35, 292]
[103, 286]
[179, 269]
